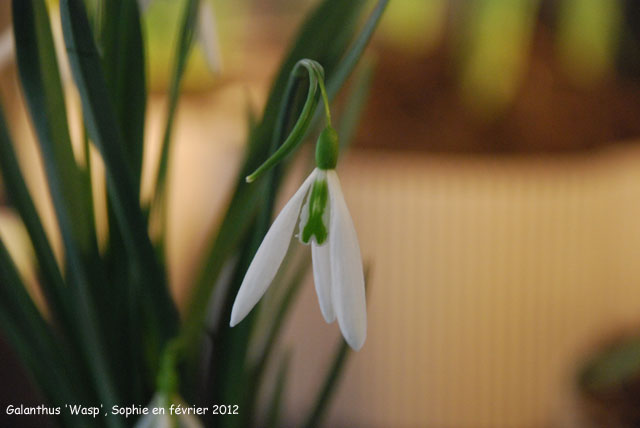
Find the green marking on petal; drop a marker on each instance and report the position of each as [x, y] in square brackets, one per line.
[317, 204]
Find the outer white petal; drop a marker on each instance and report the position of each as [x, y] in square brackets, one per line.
[208, 36]
[322, 278]
[6, 47]
[269, 256]
[347, 276]
[154, 421]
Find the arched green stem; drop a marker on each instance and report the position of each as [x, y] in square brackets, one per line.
[315, 74]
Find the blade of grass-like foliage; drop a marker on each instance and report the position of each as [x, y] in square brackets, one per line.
[124, 68]
[33, 341]
[612, 368]
[355, 103]
[183, 48]
[275, 405]
[51, 280]
[318, 412]
[123, 59]
[348, 63]
[88, 298]
[38, 70]
[149, 291]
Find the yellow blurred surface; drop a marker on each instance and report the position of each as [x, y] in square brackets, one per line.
[490, 279]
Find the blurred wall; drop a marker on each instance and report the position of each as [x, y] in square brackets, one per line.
[491, 277]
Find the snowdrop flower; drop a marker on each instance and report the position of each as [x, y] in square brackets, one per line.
[325, 224]
[161, 404]
[207, 33]
[161, 411]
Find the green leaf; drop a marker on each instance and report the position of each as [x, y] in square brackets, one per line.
[183, 48]
[350, 60]
[612, 368]
[355, 102]
[32, 339]
[149, 290]
[51, 281]
[124, 69]
[38, 70]
[275, 405]
[322, 401]
[123, 59]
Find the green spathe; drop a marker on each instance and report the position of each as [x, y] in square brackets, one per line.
[327, 149]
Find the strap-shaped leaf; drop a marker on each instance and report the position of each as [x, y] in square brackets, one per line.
[124, 65]
[183, 48]
[348, 63]
[51, 280]
[149, 289]
[274, 409]
[38, 70]
[34, 342]
[355, 102]
[123, 59]
[323, 399]
[86, 298]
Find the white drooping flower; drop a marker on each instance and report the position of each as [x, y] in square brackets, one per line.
[325, 223]
[206, 32]
[164, 418]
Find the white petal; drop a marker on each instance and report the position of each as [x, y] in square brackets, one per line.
[154, 421]
[347, 277]
[322, 278]
[269, 256]
[208, 36]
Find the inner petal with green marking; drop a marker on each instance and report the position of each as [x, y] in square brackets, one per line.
[313, 219]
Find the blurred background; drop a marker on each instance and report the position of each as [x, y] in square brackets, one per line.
[494, 182]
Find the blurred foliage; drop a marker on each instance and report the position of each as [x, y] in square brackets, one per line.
[588, 37]
[110, 320]
[492, 41]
